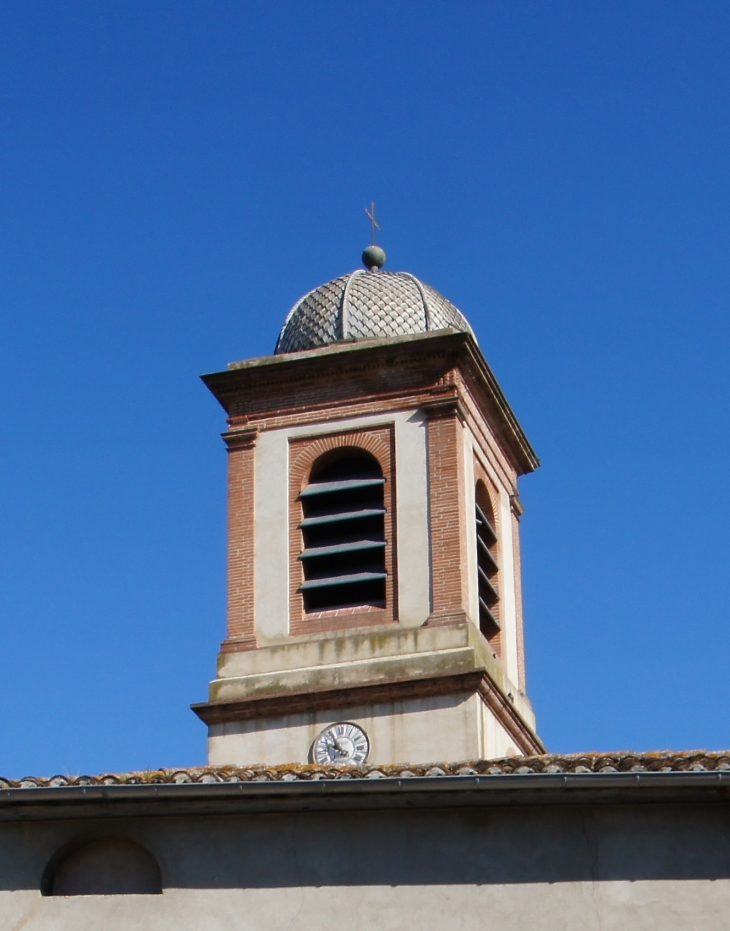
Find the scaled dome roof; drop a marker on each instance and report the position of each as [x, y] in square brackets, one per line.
[367, 305]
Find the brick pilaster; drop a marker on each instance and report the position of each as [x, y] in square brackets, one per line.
[241, 448]
[446, 509]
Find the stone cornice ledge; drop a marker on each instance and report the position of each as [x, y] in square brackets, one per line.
[361, 656]
[372, 666]
[225, 712]
[319, 699]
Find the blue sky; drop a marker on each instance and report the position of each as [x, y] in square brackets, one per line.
[173, 175]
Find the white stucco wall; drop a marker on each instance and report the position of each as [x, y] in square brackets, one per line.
[471, 530]
[582, 906]
[414, 541]
[588, 868]
[507, 588]
[414, 731]
[271, 539]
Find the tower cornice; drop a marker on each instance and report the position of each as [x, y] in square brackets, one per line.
[417, 368]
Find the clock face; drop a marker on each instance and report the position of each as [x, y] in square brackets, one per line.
[341, 744]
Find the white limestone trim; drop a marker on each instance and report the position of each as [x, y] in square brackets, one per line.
[271, 536]
[354, 671]
[271, 546]
[470, 524]
[508, 601]
[412, 528]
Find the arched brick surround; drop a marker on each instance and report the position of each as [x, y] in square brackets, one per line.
[304, 453]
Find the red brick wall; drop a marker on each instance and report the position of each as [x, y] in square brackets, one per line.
[449, 582]
[450, 399]
[241, 447]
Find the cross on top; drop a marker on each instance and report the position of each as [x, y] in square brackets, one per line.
[373, 222]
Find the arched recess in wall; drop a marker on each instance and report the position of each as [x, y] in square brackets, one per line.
[487, 567]
[102, 866]
[343, 532]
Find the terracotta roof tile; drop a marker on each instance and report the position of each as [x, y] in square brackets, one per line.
[660, 761]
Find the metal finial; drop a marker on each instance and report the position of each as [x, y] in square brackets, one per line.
[373, 257]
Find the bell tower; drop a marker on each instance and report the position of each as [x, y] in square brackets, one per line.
[374, 593]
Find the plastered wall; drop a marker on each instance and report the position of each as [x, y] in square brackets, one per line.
[601, 868]
[442, 727]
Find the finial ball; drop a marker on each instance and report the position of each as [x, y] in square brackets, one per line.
[373, 257]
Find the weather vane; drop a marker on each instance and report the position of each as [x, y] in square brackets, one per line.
[373, 222]
[373, 257]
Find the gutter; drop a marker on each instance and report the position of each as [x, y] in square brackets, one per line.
[404, 793]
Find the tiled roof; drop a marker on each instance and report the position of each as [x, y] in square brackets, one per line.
[367, 305]
[663, 762]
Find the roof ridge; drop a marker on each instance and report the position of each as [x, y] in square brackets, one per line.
[345, 302]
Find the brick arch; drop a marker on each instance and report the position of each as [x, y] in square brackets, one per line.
[370, 442]
[304, 452]
[485, 500]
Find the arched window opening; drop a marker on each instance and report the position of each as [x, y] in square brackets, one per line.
[105, 866]
[343, 531]
[487, 567]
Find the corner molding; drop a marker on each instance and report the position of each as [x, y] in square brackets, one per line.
[225, 712]
[444, 408]
[503, 710]
[516, 506]
[241, 439]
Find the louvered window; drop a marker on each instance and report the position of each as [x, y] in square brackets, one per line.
[487, 567]
[344, 535]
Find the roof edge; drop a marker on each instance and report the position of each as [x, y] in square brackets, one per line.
[239, 374]
[347, 793]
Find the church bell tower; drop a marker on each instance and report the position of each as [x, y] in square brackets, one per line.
[374, 593]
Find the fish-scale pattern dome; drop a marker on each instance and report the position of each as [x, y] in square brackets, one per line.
[367, 305]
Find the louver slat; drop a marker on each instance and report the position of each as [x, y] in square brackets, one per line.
[487, 569]
[314, 552]
[343, 532]
[485, 525]
[486, 586]
[343, 580]
[325, 488]
[486, 555]
[337, 517]
[484, 607]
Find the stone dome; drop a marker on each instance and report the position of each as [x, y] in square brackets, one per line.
[367, 305]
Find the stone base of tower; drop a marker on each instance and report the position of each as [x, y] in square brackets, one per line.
[445, 727]
[423, 695]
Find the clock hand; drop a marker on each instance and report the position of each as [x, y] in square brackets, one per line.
[332, 742]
